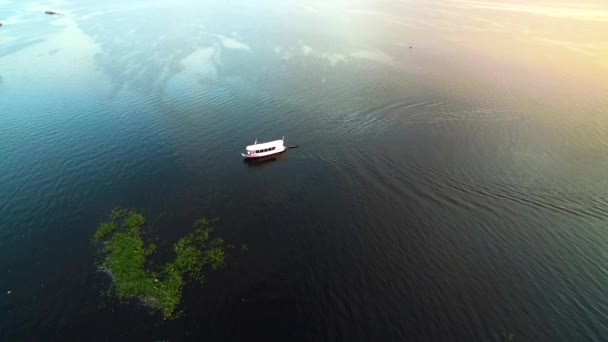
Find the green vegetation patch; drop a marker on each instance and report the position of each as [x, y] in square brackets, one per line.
[126, 259]
[104, 230]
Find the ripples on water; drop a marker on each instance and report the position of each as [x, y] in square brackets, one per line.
[440, 192]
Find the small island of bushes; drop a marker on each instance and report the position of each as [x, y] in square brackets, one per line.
[126, 260]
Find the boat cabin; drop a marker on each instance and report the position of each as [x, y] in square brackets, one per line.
[263, 149]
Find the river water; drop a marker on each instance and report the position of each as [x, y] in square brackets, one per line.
[450, 184]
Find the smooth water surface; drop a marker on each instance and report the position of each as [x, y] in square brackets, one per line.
[451, 191]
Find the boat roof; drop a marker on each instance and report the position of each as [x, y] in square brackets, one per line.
[260, 146]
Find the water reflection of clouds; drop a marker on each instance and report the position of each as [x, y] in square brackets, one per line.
[333, 58]
[306, 50]
[309, 9]
[145, 47]
[140, 51]
[26, 27]
[52, 46]
[375, 56]
[16, 45]
[232, 43]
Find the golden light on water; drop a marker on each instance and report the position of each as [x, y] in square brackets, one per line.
[561, 46]
[570, 11]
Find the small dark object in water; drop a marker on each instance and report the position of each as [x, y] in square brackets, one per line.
[0, 24]
[292, 146]
[50, 12]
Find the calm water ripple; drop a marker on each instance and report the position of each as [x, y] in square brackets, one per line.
[455, 190]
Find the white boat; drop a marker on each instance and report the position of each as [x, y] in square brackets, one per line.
[258, 150]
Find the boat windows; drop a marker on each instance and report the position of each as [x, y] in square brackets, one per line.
[264, 150]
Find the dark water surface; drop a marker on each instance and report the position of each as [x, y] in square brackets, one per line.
[453, 191]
